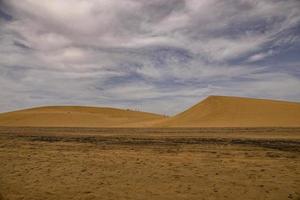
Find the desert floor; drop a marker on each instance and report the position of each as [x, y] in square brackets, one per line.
[78, 163]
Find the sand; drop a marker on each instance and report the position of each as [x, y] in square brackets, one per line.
[208, 164]
[223, 111]
[78, 116]
[250, 151]
[214, 111]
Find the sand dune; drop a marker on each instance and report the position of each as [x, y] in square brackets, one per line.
[214, 111]
[222, 111]
[78, 116]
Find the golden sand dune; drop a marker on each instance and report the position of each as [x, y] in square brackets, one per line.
[78, 116]
[214, 111]
[222, 111]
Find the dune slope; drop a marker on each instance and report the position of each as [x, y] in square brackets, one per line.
[78, 116]
[214, 111]
[222, 111]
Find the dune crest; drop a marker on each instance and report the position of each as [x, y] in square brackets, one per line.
[214, 111]
[226, 111]
[78, 116]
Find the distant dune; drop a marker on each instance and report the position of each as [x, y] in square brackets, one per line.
[78, 116]
[222, 111]
[214, 111]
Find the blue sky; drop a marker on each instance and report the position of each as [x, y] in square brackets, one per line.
[158, 56]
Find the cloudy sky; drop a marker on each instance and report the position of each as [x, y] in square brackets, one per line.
[159, 56]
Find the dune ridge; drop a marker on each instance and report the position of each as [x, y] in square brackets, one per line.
[214, 111]
[78, 116]
[227, 111]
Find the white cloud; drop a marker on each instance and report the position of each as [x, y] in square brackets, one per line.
[260, 56]
[118, 53]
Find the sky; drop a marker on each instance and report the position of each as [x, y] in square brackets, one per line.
[158, 56]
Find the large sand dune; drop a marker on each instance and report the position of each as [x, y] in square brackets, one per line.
[77, 116]
[214, 111]
[222, 111]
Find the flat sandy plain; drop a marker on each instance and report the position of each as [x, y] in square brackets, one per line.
[173, 163]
